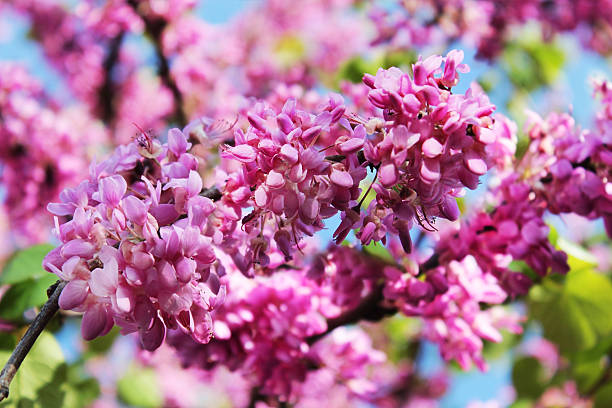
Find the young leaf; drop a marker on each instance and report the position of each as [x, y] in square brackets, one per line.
[38, 381]
[25, 295]
[577, 314]
[139, 387]
[26, 264]
[528, 378]
[603, 397]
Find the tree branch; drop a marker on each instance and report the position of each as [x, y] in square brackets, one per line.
[370, 308]
[155, 28]
[106, 107]
[256, 397]
[27, 341]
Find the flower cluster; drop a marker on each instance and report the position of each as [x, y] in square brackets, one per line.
[73, 38]
[430, 146]
[346, 365]
[42, 151]
[514, 231]
[141, 241]
[137, 249]
[449, 301]
[350, 356]
[450, 305]
[287, 179]
[487, 24]
[262, 329]
[349, 274]
[569, 167]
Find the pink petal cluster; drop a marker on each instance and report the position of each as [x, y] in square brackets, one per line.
[514, 231]
[262, 330]
[350, 355]
[348, 273]
[433, 144]
[455, 320]
[287, 179]
[42, 151]
[488, 25]
[570, 167]
[73, 38]
[137, 246]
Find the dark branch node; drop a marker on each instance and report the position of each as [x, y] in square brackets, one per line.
[213, 193]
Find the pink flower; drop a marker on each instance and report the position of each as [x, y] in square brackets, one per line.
[158, 277]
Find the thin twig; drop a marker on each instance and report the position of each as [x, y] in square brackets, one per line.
[357, 208]
[155, 27]
[27, 341]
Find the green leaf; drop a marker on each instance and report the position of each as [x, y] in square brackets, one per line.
[586, 373]
[489, 80]
[603, 397]
[379, 251]
[26, 264]
[25, 295]
[553, 234]
[578, 258]
[7, 341]
[353, 69]
[102, 344]
[528, 377]
[491, 350]
[401, 332]
[461, 204]
[522, 403]
[588, 366]
[365, 186]
[39, 380]
[522, 267]
[81, 393]
[520, 67]
[522, 144]
[402, 59]
[530, 63]
[140, 388]
[549, 58]
[577, 314]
